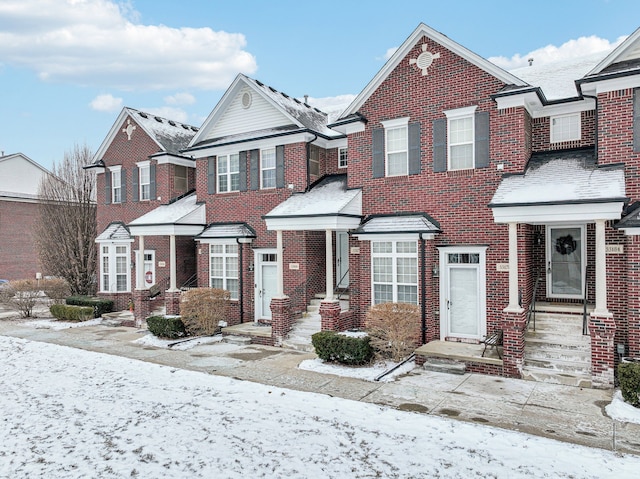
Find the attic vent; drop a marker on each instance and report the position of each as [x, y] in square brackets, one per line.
[158, 119]
[143, 115]
[172, 123]
[246, 100]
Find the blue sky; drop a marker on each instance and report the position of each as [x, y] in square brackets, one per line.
[67, 67]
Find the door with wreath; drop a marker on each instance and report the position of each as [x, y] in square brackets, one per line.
[566, 247]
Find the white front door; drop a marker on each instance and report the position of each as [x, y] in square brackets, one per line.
[342, 259]
[266, 286]
[565, 261]
[463, 293]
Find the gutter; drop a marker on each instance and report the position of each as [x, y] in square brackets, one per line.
[423, 306]
[595, 98]
[240, 281]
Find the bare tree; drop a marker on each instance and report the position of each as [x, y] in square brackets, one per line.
[66, 232]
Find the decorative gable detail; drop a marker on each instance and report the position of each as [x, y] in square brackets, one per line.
[424, 60]
[129, 129]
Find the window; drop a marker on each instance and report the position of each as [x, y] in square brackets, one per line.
[115, 274]
[396, 146]
[565, 128]
[342, 157]
[460, 140]
[180, 179]
[223, 270]
[394, 266]
[116, 186]
[314, 160]
[228, 173]
[145, 182]
[268, 168]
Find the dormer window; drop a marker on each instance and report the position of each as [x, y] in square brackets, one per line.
[565, 128]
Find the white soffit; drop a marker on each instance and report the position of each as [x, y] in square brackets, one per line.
[564, 213]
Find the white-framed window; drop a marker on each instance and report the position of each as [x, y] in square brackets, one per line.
[396, 139]
[180, 178]
[460, 138]
[268, 168]
[223, 267]
[115, 273]
[394, 272]
[116, 185]
[565, 128]
[144, 178]
[228, 168]
[342, 157]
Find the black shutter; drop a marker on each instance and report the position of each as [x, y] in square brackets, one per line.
[280, 166]
[135, 184]
[482, 139]
[440, 145]
[377, 135]
[107, 187]
[242, 171]
[152, 182]
[211, 175]
[123, 185]
[636, 119]
[414, 148]
[254, 169]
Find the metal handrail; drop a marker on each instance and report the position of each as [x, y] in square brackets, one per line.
[532, 305]
[340, 288]
[191, 282]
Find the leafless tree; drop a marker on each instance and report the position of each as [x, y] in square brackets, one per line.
[67, 228]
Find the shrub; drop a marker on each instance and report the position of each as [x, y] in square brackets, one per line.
[21, 295]
[393, 328]
[629, 379]
[99, 305]
[56, 289]
[170, 327]
[332, 346]
[64, 312]
[202, 309]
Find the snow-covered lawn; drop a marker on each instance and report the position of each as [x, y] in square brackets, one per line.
[67, 413]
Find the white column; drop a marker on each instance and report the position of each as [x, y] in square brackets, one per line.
[514, 304]
[172, 265]
[280, 260]
[601, 270]
[140, 264]
[329, 264]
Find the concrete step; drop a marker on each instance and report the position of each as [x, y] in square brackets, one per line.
[569, 308]
[572, 341]
[563, 324]
[238, 340]
[298, 344]
[546, 353]
[532, 373]
[444, 366]
[559, 365]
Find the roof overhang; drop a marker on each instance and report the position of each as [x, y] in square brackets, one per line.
[169, 229]
[332, 222]
[585, 212]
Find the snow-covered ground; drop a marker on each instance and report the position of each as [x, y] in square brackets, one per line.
[68, 413]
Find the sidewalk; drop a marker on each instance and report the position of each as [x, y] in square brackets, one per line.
[559, 412]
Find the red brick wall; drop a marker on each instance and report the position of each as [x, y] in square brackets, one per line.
[18, 253]
[541, 131]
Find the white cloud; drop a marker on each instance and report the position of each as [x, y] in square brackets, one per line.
[97, 43]
[390, 52]
[571, 49]
[106, 102]
[333, 105]
[182, 98]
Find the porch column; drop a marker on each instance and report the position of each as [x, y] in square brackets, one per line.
[280, 263]
[329, 264]
[140, 264]
[172, 265]
[601, 270]
[514, 303]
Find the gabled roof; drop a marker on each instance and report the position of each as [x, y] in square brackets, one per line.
[424, 31]
[184, 211]
[399, 223]
[628, 50]
[170, 136]
[303, 116]
[116, 231]
[631, 219]
[227, 230]
[25, 158]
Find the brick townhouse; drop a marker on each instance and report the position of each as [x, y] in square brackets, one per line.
[496, 201]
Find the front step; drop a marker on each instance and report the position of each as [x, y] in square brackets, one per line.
[444, 366]
[531, 373]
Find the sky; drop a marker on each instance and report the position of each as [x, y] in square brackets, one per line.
[111, 417]
[68, 67]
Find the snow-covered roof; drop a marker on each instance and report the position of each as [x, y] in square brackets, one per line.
[562, 177]
[227, 230]
[329, 196]
[114, 232]
[186, 211]
[399, 223]
[631, 219]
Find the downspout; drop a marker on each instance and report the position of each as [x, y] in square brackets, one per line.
[423, 293]
[240, 281]
[595, 97]
[308, 148]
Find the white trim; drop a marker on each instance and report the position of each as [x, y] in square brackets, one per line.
[394, 255]
[273, 168]
[165, 230]
[460, 112]
[224, 255]
[612, 84]
[167, 158]
[350, 128]
[217, 240]
[563, 213]
[152, 252]
[257, 262]
[531, 102]
[143, 164]
[395, 123]
[455, 115]
[251, 144]
[341, 149]
[618, 52]
[631, 231]
[312, 223]
[393, 236]
[112, 274]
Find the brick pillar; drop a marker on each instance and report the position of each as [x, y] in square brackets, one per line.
[330, 315]
[513, 329]
[141, 306]
[602, 329]
[172, 302]
[281, 319]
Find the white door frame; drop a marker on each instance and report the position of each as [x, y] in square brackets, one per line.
[444, 268]
[342, 260]
[583, 258]
[258, 286]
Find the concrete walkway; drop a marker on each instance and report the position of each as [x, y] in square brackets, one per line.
[560, 412]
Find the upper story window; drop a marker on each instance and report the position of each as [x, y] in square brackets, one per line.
[565, 128]
[314, 160]
[180, 178]
[144, 174]
[342, 157]
[116, 185]
[228, 173]
[460, 141]
[268, 168]
[396, 146]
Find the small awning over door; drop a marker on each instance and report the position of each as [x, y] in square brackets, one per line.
[183, 217]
